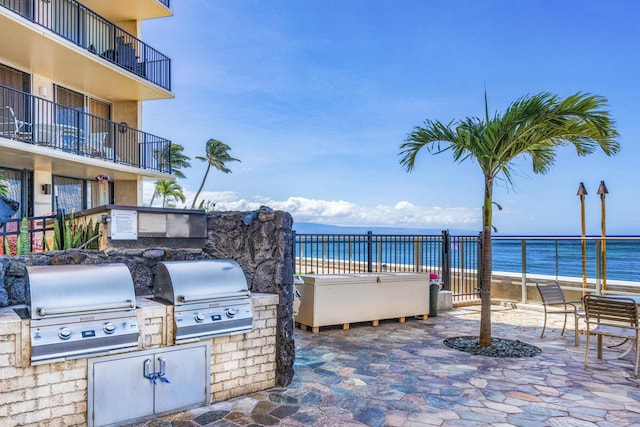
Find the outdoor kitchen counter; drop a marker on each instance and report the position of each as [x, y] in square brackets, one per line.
[14, 351]
[57, 392]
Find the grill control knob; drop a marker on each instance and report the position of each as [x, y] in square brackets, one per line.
[64, 333]
[230, 312]
[199, 317]
[109, 328]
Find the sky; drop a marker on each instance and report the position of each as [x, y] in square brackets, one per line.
[316, 97]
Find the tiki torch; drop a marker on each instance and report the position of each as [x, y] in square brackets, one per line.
[582, 191]
[602, 191]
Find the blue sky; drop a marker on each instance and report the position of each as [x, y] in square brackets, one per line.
[315, 98]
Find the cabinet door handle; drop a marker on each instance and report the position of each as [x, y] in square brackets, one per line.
[163, 370]
[163, 366]
[145, 369]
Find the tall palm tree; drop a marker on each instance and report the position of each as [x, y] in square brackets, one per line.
[217, 156]
[170, 192]
[534, 127]
[171, 153]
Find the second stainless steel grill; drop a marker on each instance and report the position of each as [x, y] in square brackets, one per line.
[80, 310]
[210, 297]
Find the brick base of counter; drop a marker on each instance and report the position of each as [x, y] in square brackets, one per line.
[55, 394]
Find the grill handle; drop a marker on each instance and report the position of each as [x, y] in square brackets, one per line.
[183, 298]
[42, 311]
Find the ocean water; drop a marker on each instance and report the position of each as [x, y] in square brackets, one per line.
[564, 257]
[552, 257]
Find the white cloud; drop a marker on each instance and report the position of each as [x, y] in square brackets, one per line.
[341, 212]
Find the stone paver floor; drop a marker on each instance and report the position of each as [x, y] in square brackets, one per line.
[401, 374]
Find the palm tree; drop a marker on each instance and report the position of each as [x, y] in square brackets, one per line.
[217, 156]
[170, 192]
[171, 153]
[4, 186]
[532, 126]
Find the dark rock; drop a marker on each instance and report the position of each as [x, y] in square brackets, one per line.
[499, 347]
[154, 253]
[210, 417]
[4, 297]
[282, 398]
[284, 411]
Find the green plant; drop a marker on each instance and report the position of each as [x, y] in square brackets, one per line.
[217, 156]
[4, 184]
[207, 205]
[23, 243]
[71, 233]
[532, 127]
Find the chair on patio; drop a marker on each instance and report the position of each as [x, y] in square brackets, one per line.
[614, 317]
[10, 126]
[553, 301]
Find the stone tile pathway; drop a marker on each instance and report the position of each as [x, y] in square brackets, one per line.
[400, 374]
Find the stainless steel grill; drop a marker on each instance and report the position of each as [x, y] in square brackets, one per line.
[81, 310]
[210, 298]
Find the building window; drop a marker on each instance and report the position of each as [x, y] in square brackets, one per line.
[18, 102]
[69, 194]
[19, 189]
[15, 79]
[76, 194]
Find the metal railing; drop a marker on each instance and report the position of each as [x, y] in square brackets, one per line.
[92, 32]
[516, 259]
[39, 229]
[560, 258]
[38, 121]
[453, 258]
[166, 3]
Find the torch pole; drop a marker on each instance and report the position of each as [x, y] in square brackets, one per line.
[583, 192]
[602, 191]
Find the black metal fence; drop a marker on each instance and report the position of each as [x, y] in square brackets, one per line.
[28, 118]
[92, 32]
[454, 258]
[39, 229]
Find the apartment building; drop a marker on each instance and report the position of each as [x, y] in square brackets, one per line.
[73, 77]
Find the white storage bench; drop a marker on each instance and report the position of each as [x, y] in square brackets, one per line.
[367, 297]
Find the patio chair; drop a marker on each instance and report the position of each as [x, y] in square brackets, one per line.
[614, 317]
[10, 126]
[553, 301]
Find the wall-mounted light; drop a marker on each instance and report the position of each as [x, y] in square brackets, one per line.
[105, 219]
[43, 91]
[46, 188]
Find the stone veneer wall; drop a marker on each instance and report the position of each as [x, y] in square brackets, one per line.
[55, 394]
[261, 242]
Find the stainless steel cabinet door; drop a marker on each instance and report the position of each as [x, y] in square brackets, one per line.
[188, 373]
[120, 391]
[132, 386]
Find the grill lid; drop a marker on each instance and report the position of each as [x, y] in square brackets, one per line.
[64, 290]
[183, 282]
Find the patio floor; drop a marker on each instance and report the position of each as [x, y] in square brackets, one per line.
[400, 374]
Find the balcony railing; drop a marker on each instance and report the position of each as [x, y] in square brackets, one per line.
[92, 32]
[37, 121]
[166, 3]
